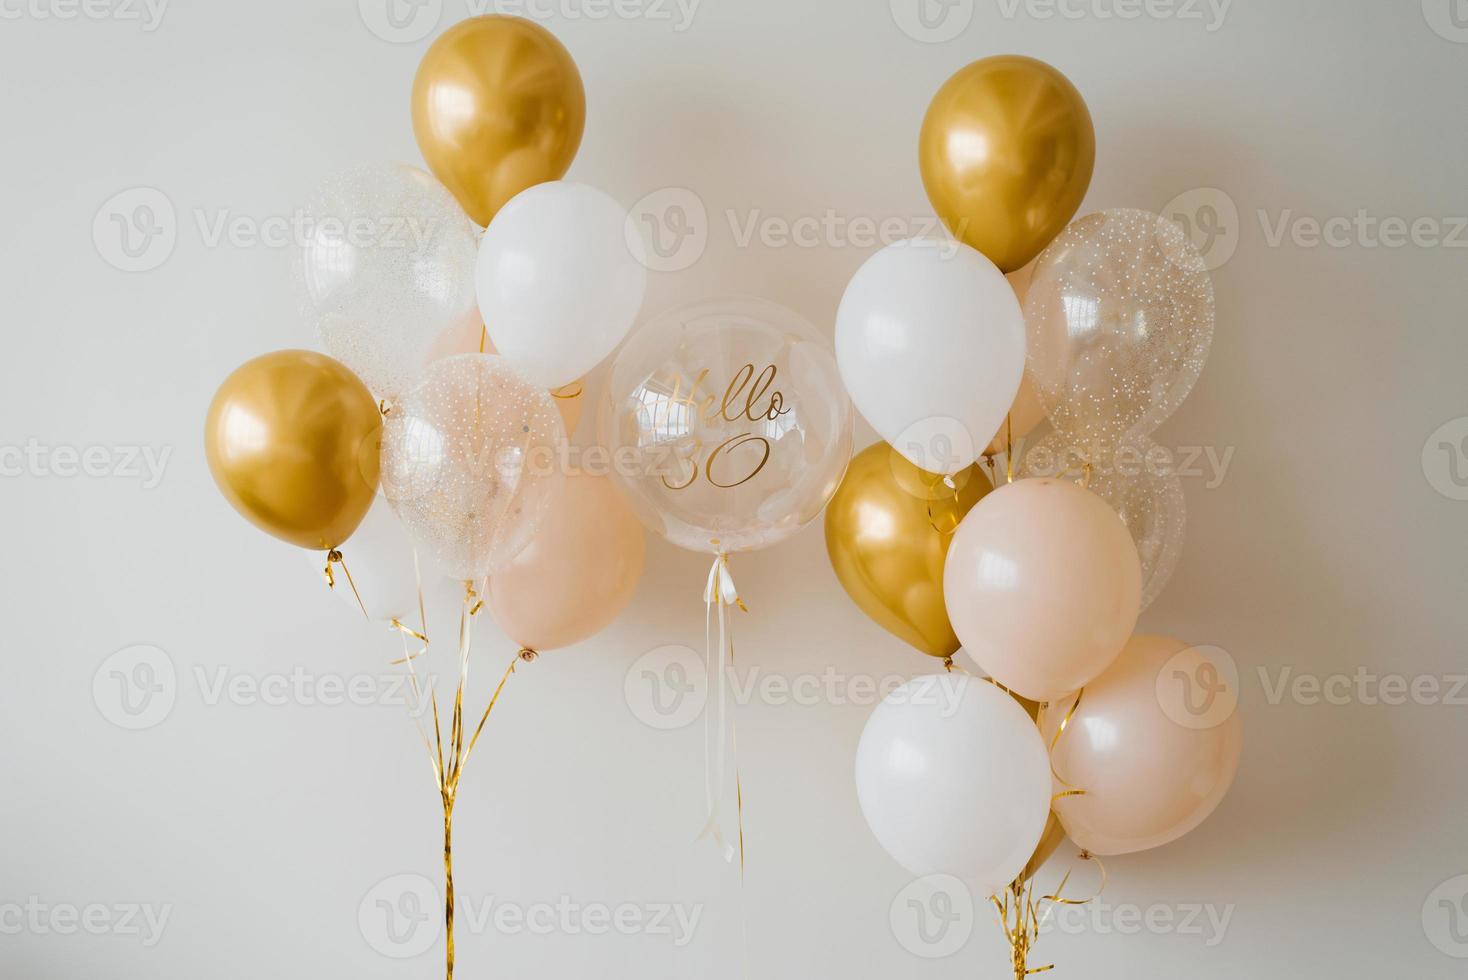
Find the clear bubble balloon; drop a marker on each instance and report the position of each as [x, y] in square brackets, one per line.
[1119, 318]
[1139, 481]
[728, 424]
[386, 264]
[471, 460]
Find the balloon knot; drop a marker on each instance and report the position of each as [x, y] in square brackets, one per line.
[528, 655]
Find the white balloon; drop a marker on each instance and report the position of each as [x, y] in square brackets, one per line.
[931, 344]
[953, 778]
[559, 280]
[387, 265]
[380, 556]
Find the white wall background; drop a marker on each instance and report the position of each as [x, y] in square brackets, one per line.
[1332, 545]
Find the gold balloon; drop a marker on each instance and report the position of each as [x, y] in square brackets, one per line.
[292, 440]
[887, 532]
[498, 106]
[1007, 149]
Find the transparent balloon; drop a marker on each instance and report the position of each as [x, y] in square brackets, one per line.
[1119, 318]
[387, 265]
[1140, 482]
[471, 462]
[728, 424]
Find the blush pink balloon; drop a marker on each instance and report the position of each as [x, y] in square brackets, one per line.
[578, 573]
[1043, 586]
[1154, 744]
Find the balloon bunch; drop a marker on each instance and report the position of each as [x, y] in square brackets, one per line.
[453, 379]
[1081, 728]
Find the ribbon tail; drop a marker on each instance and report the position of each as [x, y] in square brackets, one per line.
[719, 592]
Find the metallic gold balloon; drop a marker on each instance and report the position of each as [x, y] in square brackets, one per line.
[498, 106]
[887, 532]
[1006, 152]
[292, 440]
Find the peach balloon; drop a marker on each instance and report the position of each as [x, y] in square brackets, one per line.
[578, 572]
[1043, 586]
[1154, 743]
[1027, 411]
[468, 336]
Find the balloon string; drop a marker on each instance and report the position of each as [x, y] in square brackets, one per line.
[569, 391]
[483, 336]
[1009, 448]
[719, 594]
[335, 557]
[450, 771]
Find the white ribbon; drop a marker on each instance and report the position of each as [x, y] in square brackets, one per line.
[719, 594]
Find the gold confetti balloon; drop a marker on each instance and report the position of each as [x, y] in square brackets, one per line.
[471, 461]
[1119, 320]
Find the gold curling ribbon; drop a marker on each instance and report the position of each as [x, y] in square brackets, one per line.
[334, 557]
[568, 391]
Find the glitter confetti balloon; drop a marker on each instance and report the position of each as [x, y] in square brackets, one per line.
[471, 460]
[1140, 482]
[387, 263]
[1119, 319]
